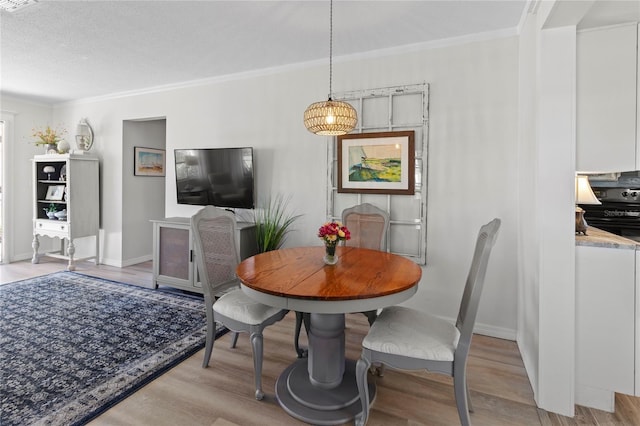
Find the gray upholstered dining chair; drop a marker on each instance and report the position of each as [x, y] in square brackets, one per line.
[410, 339]
[214, 232]
[368, 226]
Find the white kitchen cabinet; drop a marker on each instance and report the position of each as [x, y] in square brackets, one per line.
[606, 93]
[68, 183]
[606, 324]
[174, 263]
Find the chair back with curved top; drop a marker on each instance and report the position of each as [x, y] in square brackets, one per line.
[368, 225]
[216, 254]
[475, 283]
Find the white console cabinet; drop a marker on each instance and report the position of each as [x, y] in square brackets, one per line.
[174, 264]
[607, 339]
[65, 183]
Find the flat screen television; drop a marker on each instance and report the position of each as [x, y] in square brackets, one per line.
[221, 177]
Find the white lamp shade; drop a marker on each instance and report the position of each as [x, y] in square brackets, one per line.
[584, 193]
[49, 169]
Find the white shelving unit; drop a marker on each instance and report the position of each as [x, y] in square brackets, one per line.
[72, 186]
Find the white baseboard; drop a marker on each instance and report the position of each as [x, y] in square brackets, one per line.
[118, 263]
[493, 331]
[600, 399]
[137, 260]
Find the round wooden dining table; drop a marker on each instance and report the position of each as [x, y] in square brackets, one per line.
[322, 389]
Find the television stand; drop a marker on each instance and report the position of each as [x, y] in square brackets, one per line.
[174, 263]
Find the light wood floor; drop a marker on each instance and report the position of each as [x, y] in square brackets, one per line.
[222, 395]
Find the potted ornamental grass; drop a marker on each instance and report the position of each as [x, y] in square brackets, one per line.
[273, 222]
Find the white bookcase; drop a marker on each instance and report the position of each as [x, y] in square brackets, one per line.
[68, 183]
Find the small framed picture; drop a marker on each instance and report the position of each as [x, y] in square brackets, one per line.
[148, 161]
[55, 192]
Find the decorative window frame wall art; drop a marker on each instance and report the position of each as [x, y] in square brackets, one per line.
[149, 161]
[377, 163]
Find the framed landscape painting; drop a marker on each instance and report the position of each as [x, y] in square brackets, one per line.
[148, 161]
[377, 163]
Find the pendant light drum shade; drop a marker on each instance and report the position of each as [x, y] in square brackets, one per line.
[330, 118]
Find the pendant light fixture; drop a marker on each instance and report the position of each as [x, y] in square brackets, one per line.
[330, 118]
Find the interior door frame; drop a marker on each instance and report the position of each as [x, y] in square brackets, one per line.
[7, 120]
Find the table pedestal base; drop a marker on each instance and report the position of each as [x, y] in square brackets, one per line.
[315, 405]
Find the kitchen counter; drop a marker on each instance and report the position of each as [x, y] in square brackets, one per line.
[599, 238]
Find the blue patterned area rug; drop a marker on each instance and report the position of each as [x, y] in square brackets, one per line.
[71, 346]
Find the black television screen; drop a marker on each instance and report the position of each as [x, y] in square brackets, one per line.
[221, 177]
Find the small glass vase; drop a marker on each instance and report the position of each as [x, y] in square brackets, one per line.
[330, 256]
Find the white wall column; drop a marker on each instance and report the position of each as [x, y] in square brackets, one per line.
[555, 177]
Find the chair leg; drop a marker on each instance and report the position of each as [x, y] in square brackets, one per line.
[296, 337]
[211, 327]
[377, 369]
[234, 339]
[362, 366]
[256, 344]
[301, 318]
[461, 394]
[371, 316]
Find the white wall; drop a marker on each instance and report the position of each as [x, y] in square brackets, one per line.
[472, 154]
[18, 185]
[546, 242]
[528, 242]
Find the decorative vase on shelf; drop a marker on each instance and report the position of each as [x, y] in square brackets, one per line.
[330, 256]
[63, 146]
[50, 148]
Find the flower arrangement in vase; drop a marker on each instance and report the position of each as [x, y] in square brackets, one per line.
[49, 138]
[331, 233]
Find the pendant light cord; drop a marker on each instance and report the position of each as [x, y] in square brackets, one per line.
[330, 47]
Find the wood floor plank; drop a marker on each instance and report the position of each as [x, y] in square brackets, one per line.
[222, 395]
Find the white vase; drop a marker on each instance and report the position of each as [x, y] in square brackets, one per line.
[63, 146]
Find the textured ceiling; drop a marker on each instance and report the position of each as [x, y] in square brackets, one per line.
[56, 51]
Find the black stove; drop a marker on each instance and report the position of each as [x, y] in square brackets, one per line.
[619, 212]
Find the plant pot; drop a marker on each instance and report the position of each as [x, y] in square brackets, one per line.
[51, 215]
